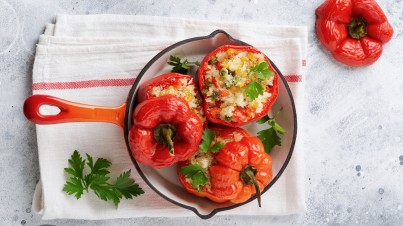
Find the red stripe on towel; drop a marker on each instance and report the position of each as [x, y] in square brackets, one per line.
[83, 84]
[293, 78]
[110, 82]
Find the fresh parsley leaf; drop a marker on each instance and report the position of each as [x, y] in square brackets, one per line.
[97, 180]
[253, 90]
[263, 71]
[266, 74]
[181, 66]
[196, 173]
[103, 190]
[198, 180]
[100, 166]
[123, 187]
[216, 147]
[262, 66]
[74, 187]
[207, 139]
[127, 187]
[76, 165]
[269, 139]
[174, 61]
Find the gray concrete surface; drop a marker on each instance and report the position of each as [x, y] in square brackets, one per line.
[354, 116]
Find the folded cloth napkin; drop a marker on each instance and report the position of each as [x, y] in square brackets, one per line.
[94, 59]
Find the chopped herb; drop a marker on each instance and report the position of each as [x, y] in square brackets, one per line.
[97, 179]
[181, 66]
[236, 80]
[228, 118]
[253, 90]
[223, 72]
[213, 60]
[215, 95]
[228, 83]
[197, 174]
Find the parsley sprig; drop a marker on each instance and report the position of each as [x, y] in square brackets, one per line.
[270, 137]
[262, 72]
[197, 174]
[207, 139]
[181, 66]
[97, 180]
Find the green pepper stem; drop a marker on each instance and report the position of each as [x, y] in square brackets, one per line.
[357, 28]
[248, 176]
[165, 134]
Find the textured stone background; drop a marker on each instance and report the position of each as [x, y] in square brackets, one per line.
[354, 117]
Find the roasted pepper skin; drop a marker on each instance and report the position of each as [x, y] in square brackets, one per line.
[225, 173]
[354, 31]
[150, 114]
[239, 113]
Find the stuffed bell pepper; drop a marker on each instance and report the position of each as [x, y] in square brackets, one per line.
[230, 165]
[165, 130]
[238, 83]
[176, 84]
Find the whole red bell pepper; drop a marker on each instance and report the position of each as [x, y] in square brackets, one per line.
[238, 83]
[164, 131]
[240, 169]
[353, 30]
[180, 85]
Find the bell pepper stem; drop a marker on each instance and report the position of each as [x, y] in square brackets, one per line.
[357, 28]
[248, 176]
[165, 134]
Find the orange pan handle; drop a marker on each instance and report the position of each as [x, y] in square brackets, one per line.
[71, 111]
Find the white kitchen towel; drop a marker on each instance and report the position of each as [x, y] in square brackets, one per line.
[94, 60]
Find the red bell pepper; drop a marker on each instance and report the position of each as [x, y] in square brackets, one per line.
[164, 131]
[353, 30]
[240, 169]
[180, 85]
[238, 83]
